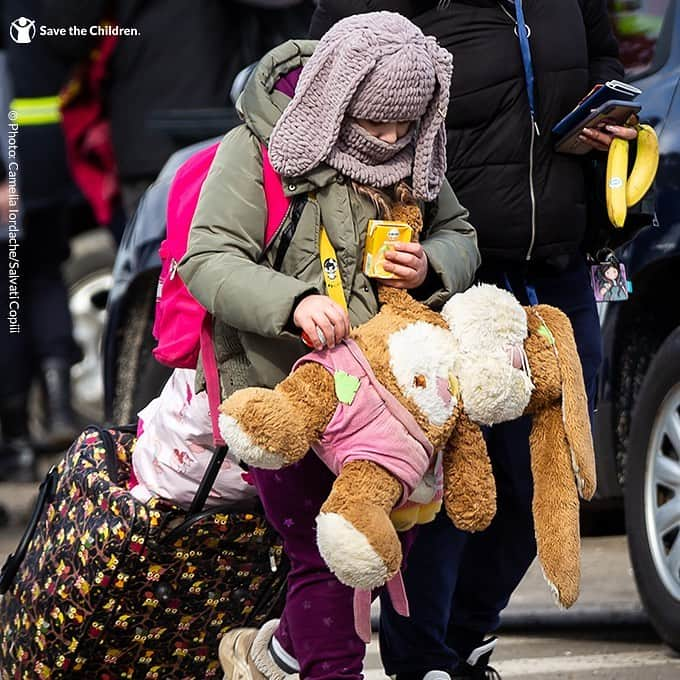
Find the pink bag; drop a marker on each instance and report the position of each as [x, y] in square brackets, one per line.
[182, 326]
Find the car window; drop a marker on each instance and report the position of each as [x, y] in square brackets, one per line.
[637, 25]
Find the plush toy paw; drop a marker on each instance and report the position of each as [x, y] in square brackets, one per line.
[351, 556]
[243, 447]
[262, 428]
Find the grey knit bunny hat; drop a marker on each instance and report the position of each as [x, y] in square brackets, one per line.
[377, 66]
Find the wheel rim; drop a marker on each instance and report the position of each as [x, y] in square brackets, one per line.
[87, 302]
[662, 492]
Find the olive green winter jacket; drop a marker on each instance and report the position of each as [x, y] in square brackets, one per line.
[226, 270]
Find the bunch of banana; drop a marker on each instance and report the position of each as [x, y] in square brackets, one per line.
[624, 191]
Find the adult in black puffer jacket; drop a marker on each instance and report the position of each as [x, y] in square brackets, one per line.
[528, 206]
[489, 127]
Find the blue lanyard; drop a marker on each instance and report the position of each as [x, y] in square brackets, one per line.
[530, 290]
[523, 35]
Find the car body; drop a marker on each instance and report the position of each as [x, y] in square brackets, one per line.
[648, 258]
[637, 425]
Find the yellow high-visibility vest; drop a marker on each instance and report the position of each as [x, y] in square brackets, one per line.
[36, 110]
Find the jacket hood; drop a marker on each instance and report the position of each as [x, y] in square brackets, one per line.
[260, 104]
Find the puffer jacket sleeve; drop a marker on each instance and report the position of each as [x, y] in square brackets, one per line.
[329, 12]
[451, 249]
[227, 236]
[603, 49]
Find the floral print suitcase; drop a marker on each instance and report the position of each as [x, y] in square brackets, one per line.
[111, 588]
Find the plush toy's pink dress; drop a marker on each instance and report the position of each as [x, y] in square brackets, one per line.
[369, 422]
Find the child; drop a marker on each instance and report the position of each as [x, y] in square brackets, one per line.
[174, 447]
[345, 121]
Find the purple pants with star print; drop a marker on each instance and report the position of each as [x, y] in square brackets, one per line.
[317, 625]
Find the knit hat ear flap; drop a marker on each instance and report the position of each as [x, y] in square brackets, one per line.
[429, 163]
[344, 66]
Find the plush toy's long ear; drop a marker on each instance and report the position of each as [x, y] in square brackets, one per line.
[555, 506]
[469, 485]
[575, 417]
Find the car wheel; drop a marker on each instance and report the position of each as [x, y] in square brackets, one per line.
[88, 278]
[652, 493]
[140, 377]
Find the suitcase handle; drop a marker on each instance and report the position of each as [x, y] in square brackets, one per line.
[195, 511]
[13, 562]
[49, 485]
[208, 479]
[239, 508]
[110, 455]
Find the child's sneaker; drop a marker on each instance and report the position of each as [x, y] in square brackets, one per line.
[234, 654]
[245, 654]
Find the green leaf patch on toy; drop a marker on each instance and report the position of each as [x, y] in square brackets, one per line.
[346, 387]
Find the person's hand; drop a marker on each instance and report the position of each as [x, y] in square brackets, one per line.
[600, 139]
[408, 263]
[320, 312]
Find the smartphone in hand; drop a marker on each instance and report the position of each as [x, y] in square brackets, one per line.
[610, 113]
[613, 90]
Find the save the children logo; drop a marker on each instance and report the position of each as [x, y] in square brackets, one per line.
[22, 30]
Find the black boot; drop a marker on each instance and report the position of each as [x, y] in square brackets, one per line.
[61, 427]
[477, 665]
[17, 457]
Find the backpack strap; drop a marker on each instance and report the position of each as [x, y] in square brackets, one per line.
[277, 209]
[277, 201]
[212, 377]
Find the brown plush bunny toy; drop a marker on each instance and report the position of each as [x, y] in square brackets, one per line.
[433, 378]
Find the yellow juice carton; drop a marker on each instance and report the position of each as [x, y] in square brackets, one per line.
[381, 236]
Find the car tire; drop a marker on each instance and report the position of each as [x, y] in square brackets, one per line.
[88, 278]
[139, 377]
[653, 483]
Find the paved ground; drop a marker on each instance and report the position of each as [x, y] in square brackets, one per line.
[604, 636]
[606, 654]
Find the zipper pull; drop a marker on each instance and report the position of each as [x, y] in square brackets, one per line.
[272, 561]
[173, 268]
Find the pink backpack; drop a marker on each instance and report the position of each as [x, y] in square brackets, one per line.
[182, 326]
